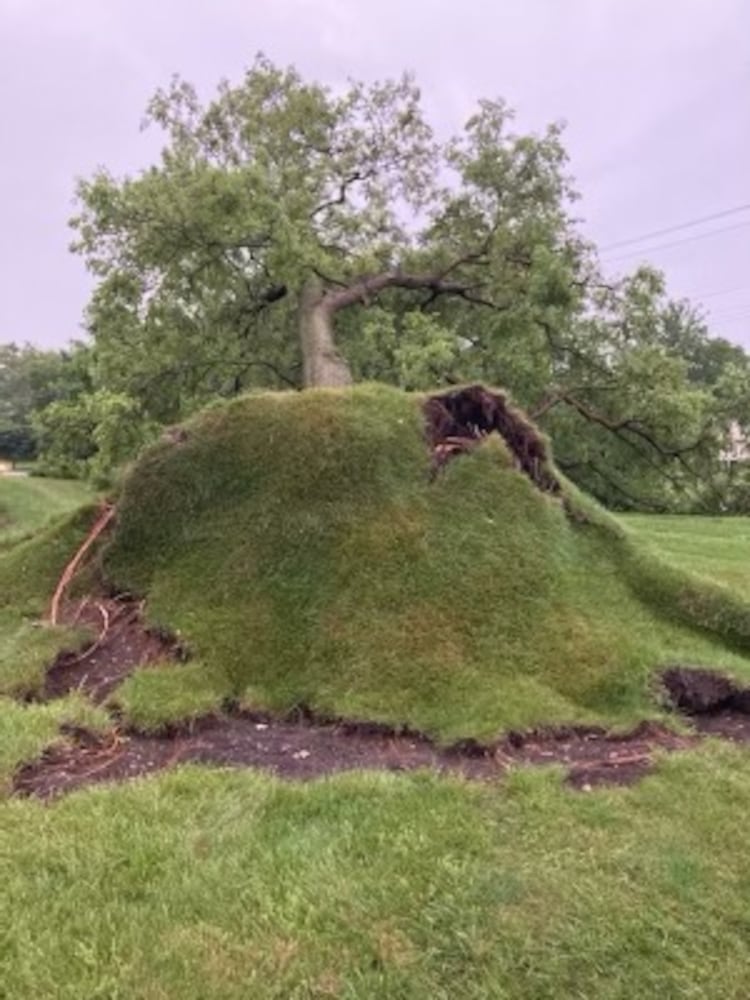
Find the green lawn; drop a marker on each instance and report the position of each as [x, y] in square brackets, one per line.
[206, 884]
[715, 547]
[209, 884]
[27, 503]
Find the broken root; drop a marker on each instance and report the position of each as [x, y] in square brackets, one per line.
[458, 421]
[106, 513]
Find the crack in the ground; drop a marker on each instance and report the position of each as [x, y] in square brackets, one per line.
[308, 749]
[122, 644]
[306, 745]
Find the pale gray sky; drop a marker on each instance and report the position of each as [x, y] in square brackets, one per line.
[655, 93]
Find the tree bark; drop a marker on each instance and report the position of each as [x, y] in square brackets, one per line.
[322, 363]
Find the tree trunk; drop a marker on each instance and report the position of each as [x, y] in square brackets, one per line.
[322, 363]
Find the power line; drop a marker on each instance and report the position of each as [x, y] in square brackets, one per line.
[722, 291]
[677, 243]
[739, 311]
[674, 229]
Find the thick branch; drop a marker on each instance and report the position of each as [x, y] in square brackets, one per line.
[344, 185]
[367, 288]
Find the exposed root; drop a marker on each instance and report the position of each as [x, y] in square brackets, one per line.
[459, 420]
[89, 650]
[106, 513]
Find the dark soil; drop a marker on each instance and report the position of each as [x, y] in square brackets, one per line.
[729, 724]
[304, 746]
[305, 749]
[594, 756]
[697, 691]
[457, 421]
[717, 705]
[123, 644]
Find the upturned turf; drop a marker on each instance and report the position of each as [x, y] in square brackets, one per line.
[298, 545]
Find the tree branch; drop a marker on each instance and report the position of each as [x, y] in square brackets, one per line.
[367, 288]
[344, 185]
[622, 428]
[626, 424]
[633, 501]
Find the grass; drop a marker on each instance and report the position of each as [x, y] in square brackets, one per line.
[231, 885]
[28, 503]
[297, 545]
[332, 571]
[715, 547]
[28, 574]
[25, 730]
[156, 696]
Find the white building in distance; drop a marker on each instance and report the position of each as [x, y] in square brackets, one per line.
[738, 445]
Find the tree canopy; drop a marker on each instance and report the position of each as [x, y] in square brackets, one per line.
[293, 235]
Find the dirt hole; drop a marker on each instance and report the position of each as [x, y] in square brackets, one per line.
[457, 421]
[697, 691]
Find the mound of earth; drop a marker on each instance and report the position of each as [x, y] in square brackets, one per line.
[319, 548]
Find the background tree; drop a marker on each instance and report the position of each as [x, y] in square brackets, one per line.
[31, 379]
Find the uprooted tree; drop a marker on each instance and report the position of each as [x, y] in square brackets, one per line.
[290, 236]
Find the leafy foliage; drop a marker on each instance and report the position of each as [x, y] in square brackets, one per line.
[440, 262]
[31, 379]
[89, 436]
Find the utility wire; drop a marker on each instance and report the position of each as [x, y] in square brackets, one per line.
[674, 229]
[737, 313]
[676, 243]
[722, 291]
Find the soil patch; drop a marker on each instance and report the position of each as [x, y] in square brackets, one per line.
[123, 643]
[307, 749]
[594, 756]
[697, 691]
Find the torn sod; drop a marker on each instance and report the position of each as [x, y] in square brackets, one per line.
[303, 745]
[123, 644]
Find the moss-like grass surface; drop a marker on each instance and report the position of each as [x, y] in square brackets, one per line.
[297, 544]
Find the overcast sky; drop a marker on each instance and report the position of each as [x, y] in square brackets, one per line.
[655, 94]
